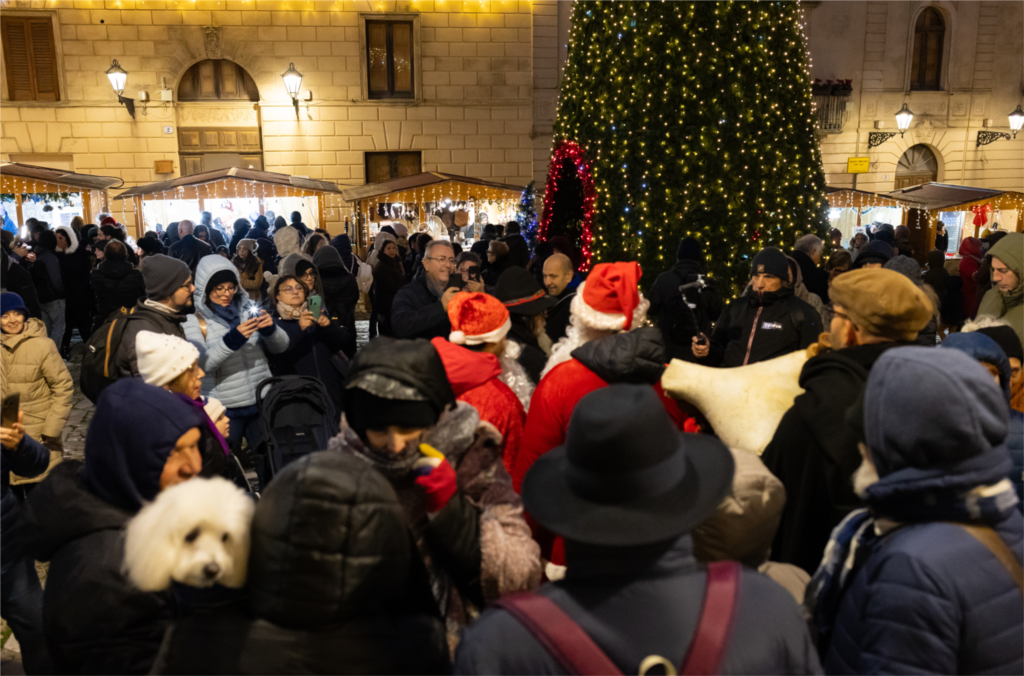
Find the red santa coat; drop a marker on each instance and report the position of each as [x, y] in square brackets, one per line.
[474, 380]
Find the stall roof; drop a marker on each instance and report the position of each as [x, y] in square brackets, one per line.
[939, 195]
[270, 178]
[58, 176]
[861, 198]
[426, 179]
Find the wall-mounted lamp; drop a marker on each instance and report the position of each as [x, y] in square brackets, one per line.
[292, 82]
[1016, 120]
[987, 137]
[903, 119]
[118, 76]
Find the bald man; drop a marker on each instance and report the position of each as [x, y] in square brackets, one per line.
[188, 249]
[558, 273]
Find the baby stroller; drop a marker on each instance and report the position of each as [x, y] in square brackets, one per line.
[297, 417]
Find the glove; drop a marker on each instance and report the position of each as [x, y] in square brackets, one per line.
[436, 478]
[235, 340]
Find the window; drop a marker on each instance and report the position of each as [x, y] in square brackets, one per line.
[386, 166]
[926, 67]
[217, 80]
[389, 60]
[30, 58]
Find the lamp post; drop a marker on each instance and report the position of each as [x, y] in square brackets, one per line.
[903, 119]
[292, 81]
[1016, 120]
[118, 76]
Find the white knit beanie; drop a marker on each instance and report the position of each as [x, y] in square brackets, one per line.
[162, 358]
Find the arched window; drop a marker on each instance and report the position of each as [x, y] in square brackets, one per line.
[217, 80]
[926, 67]
[917, 165]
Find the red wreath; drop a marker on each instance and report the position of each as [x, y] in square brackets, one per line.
[572, 151]
[981, 212]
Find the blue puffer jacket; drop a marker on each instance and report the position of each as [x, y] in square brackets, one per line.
[929, 597]
[984, 349]
[231, 375]
[30, 459]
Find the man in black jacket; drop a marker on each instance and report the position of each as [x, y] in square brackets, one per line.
[189, 249]
[814, 452]
[558, 273]
[169, 291]
[684, 315]
[17, 279]
[420, 308]
[807, 254]
[518, 249]
[768, 321]
[46, 276]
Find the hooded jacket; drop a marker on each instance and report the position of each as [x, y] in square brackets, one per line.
[343, 245]
[474, 377]
[46, 275]
[388, 279]
[19, 280]
[190, 250]
[640, 601]
[758, 327]
[1010, 307]
[32, 367]
[928, 596]
[95, 621]
[74, 270]
[117, 284]
[348, 600]
[341, 291]
[971, 251]
[288, 241]
[231, 375]
[814, 453]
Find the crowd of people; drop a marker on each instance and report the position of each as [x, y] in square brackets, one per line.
[507, 487]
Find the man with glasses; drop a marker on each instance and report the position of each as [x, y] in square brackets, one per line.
[814, 452]
[168, 298]
[420, 308]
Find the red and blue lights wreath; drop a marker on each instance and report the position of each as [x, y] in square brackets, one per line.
[570, 150]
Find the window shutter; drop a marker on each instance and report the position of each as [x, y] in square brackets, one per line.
[30, 59]
[44, 60]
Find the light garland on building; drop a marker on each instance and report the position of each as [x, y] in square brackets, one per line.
[572, 152]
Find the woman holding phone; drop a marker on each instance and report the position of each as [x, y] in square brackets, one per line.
[314, 341]
[32, 367]
[233, 336]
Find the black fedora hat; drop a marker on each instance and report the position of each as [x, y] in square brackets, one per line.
[519, 291]
[626, 476]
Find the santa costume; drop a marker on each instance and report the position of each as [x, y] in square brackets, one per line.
[478, 319]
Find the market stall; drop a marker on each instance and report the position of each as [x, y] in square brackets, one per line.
[52, 195]
[444, 205]
[229, 194]
[851, 210]
[966, 211]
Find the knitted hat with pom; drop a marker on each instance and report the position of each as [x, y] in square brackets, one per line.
[477, 318]
[162, 357]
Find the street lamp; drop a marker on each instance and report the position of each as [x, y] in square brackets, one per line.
[903, 119]
[118, 76]
[292, 82]
[1016, 120]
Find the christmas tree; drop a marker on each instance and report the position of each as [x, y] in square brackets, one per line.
[685, 119]
[526, 216]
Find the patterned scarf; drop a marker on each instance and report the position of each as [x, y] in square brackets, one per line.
[290, 311]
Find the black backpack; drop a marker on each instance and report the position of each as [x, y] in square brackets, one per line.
[99, 369]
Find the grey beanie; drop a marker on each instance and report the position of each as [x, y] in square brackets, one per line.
[163, 276]
[771, 261]
[907, 267]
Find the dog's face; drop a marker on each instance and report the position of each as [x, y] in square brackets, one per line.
[207, 554]
[195, 533]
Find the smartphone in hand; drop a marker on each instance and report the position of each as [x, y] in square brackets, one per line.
[313, 304]
[9, 410]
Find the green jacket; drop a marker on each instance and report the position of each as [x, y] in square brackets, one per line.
[1009, 307]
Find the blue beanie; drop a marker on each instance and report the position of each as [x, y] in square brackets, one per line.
[10, 302]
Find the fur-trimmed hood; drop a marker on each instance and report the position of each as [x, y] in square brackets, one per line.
[72, 236]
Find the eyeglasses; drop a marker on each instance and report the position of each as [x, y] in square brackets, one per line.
[449, 261]
[227, 288]
[292, 289]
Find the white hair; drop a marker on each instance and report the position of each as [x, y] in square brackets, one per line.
[982, 322]
[809, 244]
[196, 533]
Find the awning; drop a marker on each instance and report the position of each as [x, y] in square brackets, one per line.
[231, 182]
[28, 179]
[850, 198]
[432, 185]
[941, 195]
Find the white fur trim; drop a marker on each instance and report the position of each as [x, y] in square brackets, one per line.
[606, 321]
[495, 336]
[69, 232]
[457, 337]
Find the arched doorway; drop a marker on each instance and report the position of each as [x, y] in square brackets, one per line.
[917, 165]
[222, 94]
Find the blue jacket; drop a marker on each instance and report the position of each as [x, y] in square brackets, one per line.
[231, 374]
[30, 459]
[640, 601]
[984, 349]
[417, 313]
[929, 597]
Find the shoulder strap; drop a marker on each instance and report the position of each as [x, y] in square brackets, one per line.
[711, 639]
[559, 634]
[202, 325]
[995, 544]
[796, 312]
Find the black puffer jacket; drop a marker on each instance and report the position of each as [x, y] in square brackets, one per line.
[662, 295]
[772, 317]
[95, 621]
[116, 284]
[348, 599]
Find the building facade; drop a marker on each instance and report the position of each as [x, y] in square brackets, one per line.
[388, 88]
[958, 66]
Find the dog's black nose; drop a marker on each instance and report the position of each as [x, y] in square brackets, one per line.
[210, 570]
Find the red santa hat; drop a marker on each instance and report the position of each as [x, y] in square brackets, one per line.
[609, 300]
[109, 220]
[477, 318]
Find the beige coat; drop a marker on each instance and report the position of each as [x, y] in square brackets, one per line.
[32, 367]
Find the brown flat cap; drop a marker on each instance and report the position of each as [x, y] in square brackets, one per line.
[882, 302]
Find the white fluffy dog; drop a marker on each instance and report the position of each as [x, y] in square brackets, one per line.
[195, 533]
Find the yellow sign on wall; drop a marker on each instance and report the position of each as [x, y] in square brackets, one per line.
[857, 165]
